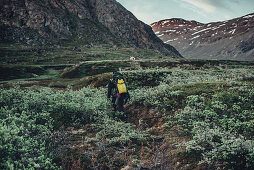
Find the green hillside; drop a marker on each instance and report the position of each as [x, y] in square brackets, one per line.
[183, 114]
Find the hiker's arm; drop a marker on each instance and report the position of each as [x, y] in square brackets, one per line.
[110, 85]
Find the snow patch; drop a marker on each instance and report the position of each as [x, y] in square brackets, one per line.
[221, 25]
[195, 28]
[170, 31]
[164, 22]
[217, 27]
[195, 37]
[171, 40]
[168, 41]
[200, 31]
[233, 31]
[234, 24]
[248, 16]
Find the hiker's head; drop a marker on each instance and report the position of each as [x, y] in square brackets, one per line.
[117, 75]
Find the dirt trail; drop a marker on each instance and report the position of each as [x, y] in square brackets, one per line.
[144, 117]
[160, 153]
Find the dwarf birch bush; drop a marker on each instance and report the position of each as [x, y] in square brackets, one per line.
[24, 141]
[217, 144]
[160, 97]
[221, 127]
[24, 132]
[145, 78]
[178, 77]
[28, 117]
[116, 132]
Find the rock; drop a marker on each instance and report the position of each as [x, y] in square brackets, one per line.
[126, 168]
[93, 21]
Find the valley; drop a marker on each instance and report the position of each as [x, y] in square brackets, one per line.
[174, 104]
[191, 88]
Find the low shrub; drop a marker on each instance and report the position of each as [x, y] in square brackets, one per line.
[117, 132]
[29, 116]
[221, 127]
[162, 97]
[24, 133]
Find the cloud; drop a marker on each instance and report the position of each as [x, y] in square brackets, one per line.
[203, 4]
[210, 6]
[204, 11]
[194, 9]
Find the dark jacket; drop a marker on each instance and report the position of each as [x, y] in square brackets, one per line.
[112, 91]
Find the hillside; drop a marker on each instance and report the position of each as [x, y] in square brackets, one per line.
[78, 23]
[227, 40]
[182, 114]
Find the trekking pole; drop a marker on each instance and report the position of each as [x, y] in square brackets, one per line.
[120, 70]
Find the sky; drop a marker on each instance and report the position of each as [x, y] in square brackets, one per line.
[204, 11]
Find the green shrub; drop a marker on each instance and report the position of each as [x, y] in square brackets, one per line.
[216, 144]
[221, 127]
[116, 132]
[27, 118]
[145, 78]
[24, 133]
[162, 97]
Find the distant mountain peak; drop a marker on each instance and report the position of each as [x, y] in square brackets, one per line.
[173, 21]
[232, 39]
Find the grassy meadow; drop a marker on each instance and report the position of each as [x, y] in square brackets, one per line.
[182, 114]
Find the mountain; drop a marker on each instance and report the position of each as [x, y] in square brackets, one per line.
[232, 39]
[83, 22]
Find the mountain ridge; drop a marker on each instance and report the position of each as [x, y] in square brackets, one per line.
[85, 21]
[230, 40]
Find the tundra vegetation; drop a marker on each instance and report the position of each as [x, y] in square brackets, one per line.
[182, 114]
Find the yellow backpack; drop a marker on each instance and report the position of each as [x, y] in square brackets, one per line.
[121, 86]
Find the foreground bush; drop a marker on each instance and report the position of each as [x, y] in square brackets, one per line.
[221, 127]
[28, 117]
[24, 132]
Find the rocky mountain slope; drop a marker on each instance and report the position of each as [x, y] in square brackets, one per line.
[232, 39]
[83, 22]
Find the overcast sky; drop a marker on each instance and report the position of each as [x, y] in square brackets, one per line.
[204, 11]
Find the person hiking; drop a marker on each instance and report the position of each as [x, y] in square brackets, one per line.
[117, 89]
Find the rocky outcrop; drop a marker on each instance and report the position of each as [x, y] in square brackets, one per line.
[82, 21]
[231, 40]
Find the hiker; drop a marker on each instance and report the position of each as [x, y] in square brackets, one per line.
[117, 89]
